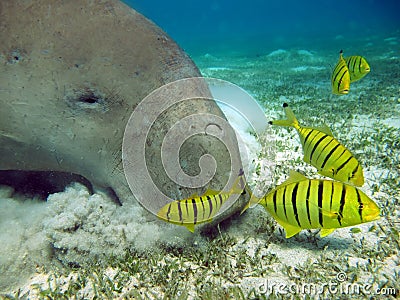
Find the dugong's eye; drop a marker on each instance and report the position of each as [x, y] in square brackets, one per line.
[86, 99]
[89, 97]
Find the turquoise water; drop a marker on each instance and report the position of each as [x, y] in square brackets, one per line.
[257, 26]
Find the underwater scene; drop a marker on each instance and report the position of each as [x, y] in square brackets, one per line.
[107, 188]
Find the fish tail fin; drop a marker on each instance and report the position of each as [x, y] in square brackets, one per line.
[290, 118]
[245, 208]
[239, 184]
[252, 202]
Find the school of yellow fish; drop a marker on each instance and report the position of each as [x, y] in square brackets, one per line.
[300, 203]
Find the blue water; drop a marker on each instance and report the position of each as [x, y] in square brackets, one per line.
[257, 25]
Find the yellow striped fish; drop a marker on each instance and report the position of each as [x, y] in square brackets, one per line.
[340, 77]
[324, 152]
[199, 209]
[302, 203]
[357, 66]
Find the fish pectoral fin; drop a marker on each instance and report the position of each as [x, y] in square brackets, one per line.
[330, 214]
[295, 176]
[189, 226]
[326, 231]
[327, 172]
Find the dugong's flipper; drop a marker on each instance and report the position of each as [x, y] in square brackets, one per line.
[71, 73]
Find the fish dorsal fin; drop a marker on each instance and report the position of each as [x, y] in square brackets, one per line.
[210, 192]
[195, 195]
[295, 176]
[325, 129]
[341, 55]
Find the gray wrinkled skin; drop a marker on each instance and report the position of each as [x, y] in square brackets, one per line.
[71, 73]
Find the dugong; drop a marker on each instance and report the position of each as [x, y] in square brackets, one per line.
[71, 74]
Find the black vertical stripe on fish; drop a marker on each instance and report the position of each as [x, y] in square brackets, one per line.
[312, 138]
[354, 63]
[306, 138]
[333, 186]
[355, 170]
[194, 211]
[342, 202]
[180, 211]
[202, 205]
[220, 199]
[274, 201]
[210, 205]
[294, 203]
[341, 154]
[187, 207]
[360, 205]
[337, 73]
[284, 202]
[341, 78]
[343, 164]
[308, 201]
[316, 145]
[320, 195]
[169, 211]
[216, 203]
[323, 149]
[329, 155]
